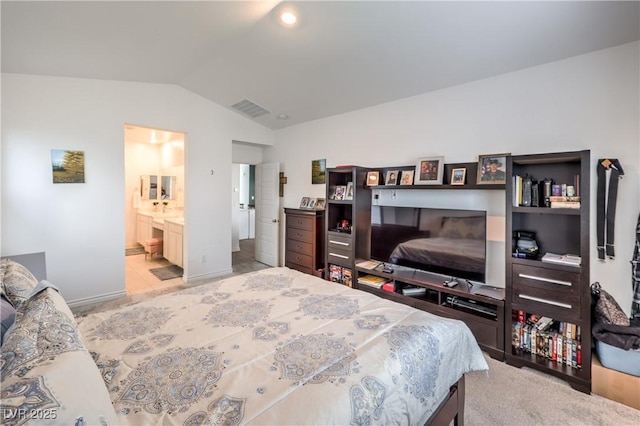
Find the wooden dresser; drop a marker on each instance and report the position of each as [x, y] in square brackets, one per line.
[304, 249]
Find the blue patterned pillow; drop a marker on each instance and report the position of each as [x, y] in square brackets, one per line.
[18, 282]
[7, 316]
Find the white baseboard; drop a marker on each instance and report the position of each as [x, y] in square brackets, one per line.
[96, 299]
[192, 278]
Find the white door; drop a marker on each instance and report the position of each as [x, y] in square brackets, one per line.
[267, 213]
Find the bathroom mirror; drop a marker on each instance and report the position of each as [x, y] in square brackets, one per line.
[154, 188]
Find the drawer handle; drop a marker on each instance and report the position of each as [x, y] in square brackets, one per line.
[339, 255]
[340, 243]
[548, 302]
[300, 235]
[547, 280]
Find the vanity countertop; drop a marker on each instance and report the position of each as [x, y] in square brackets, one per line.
[176, 220]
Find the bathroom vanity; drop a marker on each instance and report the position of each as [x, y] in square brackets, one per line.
[164, 225]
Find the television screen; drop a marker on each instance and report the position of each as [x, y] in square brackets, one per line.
[445, 241]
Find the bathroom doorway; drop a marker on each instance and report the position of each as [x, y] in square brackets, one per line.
[154, 208]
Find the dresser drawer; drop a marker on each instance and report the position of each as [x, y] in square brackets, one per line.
[337, 241]
[300, 268]
[300, 222]
[300, 259]
[548, 291]
[339, 256]
[300, 247]
[300, 235]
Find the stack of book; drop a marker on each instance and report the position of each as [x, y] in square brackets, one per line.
[339, 274]
[565, 202]
[372, 281]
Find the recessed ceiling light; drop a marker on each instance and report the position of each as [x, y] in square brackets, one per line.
[288, 18]
[282, 117]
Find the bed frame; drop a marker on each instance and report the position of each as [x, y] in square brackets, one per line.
[451, 409]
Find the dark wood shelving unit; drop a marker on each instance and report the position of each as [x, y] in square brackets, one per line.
[488, 329]
[560, 292]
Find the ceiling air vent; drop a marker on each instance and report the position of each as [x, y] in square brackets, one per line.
[253, 110]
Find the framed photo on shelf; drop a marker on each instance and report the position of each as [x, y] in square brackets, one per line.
[407, 177]
[491, 169]
[372, 178]
[312, 203]
[391, 178]
[340, 192]
[429, 171]
[458, 175]
[304, 202]
[321, 203]
[348, 195]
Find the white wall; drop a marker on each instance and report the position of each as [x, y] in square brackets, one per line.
[586, 102]
[81, 226]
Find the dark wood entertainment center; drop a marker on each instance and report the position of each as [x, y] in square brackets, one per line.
[532, 288]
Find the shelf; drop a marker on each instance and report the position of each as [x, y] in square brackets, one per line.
[440, 187]
[546, 210]
[540, 264]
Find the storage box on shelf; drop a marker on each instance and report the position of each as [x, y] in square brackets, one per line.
[483, 315]
[347, 221]
[305, 240]
[535, 288]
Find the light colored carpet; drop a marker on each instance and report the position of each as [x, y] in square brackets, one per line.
[508, 395]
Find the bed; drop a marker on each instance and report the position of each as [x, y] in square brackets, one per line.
[270, 347]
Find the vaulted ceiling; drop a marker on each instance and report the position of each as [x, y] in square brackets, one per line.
[339, 57]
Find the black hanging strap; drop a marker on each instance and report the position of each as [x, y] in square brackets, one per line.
[606, 207]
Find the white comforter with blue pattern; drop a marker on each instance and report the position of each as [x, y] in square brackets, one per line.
[277, 347]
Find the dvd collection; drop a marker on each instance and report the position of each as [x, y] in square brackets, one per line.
[339, 274]
[557, 341]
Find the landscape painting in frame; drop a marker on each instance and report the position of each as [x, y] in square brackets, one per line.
[67, 166]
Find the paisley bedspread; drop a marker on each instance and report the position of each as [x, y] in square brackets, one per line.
[277, 347]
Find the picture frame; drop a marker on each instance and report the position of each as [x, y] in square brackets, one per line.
[304, 202]
[341, 190]
[67, 166]
[372, 178]
[312, 204]
[321, 203]
[458, 176]
[391, 177]
[318, 171]
[429, 171]
[406, 177]
[491, 169]
[348, 195]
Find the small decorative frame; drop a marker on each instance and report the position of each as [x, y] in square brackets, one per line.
[372, 178]
[318, 171]
[458, 175]
[491, 169]
[67, 166]
[321, 203]
[429, 171]
[391, 178]
[304, 203]
[348, 195]
[312, 203]
[340, 192]
[407, 177]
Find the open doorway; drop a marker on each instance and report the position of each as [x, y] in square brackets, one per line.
[243, 216]
[154, 208]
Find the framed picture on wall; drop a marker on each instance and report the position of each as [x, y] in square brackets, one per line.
[429, 171]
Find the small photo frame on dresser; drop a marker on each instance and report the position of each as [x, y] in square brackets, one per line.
[312, 203]
[321, 203]
[304, 203]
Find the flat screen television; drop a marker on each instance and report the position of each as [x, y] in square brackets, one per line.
[444, 241]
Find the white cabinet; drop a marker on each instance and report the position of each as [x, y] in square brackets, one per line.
[144, 228]
[246, 224]
[172, 245]
[252, 223]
